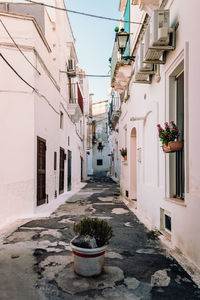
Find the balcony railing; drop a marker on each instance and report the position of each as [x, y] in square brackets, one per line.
[120, 70]
[75, 105]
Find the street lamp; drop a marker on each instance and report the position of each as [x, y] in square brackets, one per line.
[122, 38]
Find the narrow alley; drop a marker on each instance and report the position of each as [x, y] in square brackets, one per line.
[36, 259]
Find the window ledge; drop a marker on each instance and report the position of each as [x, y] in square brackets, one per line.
[125, 162]
[176, 201]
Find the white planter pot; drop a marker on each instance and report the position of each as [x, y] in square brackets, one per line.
[88, 262]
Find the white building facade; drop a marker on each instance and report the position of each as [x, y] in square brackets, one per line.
[42, 109]
[101, 158]
[161, 86]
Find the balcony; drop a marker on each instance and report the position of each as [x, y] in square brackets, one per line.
[120, 71]
[113, 115]
[75, 105]
[74, 111]
[147, 5]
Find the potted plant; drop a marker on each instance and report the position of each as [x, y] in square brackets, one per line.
[123, 152]
[89, 245]
[169, 136]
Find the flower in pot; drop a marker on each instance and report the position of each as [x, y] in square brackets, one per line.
[89, 245]
[168, 136]
[123, 152]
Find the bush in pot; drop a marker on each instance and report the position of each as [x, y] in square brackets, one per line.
[168, 136]
[89, 245]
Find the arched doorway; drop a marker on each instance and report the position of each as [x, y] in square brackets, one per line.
[133, 166]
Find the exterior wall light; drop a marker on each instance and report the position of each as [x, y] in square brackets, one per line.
[122, 38]
[100, 147]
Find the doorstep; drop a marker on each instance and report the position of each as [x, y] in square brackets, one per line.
[46, 209]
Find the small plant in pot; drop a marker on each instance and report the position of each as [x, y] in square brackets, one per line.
[168, 136]
[123, 152]
[89, 245]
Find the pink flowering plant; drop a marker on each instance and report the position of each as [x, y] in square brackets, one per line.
[123, 152]
[169, 133]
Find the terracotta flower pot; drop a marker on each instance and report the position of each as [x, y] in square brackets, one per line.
[125, 157]
[173, 146]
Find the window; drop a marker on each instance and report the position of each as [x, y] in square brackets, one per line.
[99, 162]
[55, 161]
[61, 120]
[176, 160]
[180, 176]
[117, 150]
[168, 223]
[81, 128]
[125, 136]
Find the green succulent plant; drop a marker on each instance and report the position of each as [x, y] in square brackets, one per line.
[99, 229]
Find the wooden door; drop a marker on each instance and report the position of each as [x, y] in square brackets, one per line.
[69, 170]
[62, 171]
[81, 168]
[41, 171]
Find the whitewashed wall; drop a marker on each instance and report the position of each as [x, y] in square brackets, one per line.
[152, 170]
[26, 114]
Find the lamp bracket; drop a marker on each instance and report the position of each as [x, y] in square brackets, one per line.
[132, 58]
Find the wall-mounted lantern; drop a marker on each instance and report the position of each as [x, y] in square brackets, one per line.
[122, 38]
[100, 147]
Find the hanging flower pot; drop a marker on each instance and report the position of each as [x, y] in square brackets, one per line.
[168, 136]
[123, 152]
[173, 146]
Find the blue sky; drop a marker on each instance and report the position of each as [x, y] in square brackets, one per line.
[94, 40]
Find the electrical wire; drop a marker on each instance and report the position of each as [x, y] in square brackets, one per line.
[40, 95]
[18, 46]
[17, 72]
[88, 75]
[82, 13]
[98, 76]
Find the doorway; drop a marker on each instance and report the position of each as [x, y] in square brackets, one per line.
[133, 166]
[81, 168]
[62, 171]
[41, 171]
[69, 171]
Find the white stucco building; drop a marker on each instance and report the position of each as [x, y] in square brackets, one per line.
[101, 159]
[165, 187]
[43, 107]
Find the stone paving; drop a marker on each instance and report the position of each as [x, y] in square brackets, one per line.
[36, 261]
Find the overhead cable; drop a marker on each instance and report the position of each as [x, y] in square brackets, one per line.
[17, 72]
[82, 13]
[40, 95]
[18, 47]
[88, 75]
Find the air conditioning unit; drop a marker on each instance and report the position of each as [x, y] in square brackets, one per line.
[157, 37]
[71, 68]
[141, 66]
[159, 28]
[142, 70]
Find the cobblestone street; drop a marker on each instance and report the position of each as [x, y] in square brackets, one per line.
[36, 260]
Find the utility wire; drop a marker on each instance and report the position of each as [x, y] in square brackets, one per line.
[99, 76]
[17, 72]
[88, 75]
[40, 95]
[82, 13]
[18, 46]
